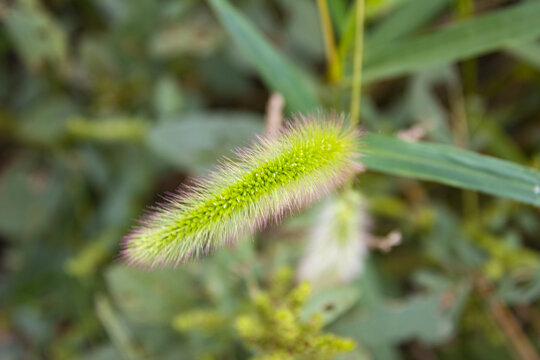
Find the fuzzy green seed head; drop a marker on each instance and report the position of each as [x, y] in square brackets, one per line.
[268, 180]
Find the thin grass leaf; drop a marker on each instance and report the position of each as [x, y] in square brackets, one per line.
[452, 166]
[527, 52]
[338, 11]
[277, 71]
[461, 40]
[404, 20]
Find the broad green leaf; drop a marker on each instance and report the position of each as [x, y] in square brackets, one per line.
[376, 8]
[331, 303]
[117, 330]
[35, 34]
[31, 195]
[148, 297]
[427, 317]
[406, 18]
[461, 40]
[452, 166]
[277, 71]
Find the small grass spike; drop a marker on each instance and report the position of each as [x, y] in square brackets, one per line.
[273, 177]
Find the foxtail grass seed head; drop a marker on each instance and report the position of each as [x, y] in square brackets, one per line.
[310, 157]
[338, 243]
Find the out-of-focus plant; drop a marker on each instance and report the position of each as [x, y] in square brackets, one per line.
[275, 330]
[271, 323]
[338, 243]
[104, 104]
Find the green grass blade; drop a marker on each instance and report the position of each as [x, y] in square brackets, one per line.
[527, 52]
[409, 17]
[452, 166]
[338, 11]
[461, 40]
[276, 70]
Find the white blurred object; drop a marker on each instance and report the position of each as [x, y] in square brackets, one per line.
[338, 243]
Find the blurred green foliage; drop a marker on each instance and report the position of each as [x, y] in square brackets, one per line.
[105, 104]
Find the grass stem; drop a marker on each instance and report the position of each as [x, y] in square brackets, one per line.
[332, 56]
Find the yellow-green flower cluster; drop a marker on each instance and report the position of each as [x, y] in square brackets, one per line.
[274, 329]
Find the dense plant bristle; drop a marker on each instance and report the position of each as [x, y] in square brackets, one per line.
[272, 177]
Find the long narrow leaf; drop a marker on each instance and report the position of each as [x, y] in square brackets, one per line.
[277, 71]
[409, 17]
[461, 40]
[452, 166]
[527, 52]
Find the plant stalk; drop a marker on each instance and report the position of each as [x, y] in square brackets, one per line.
[332, 56]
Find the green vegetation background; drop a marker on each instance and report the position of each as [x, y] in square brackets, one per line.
[105, 104]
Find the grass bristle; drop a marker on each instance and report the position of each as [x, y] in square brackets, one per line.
[273, 177]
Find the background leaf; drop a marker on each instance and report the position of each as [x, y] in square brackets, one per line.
[276, 70]
[452, 166]
[196, 141]
[106, 105]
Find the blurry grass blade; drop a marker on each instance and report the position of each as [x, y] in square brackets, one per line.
[528, 52]
[419, 317]
[107, 130]
[376, 8]
[451, 166]
[277, 71]
[116, 329]
[462, 40]
[331, 303]
[409, 17]
[37, 37]
[338, 11]
[145, 297]
[406, 18]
